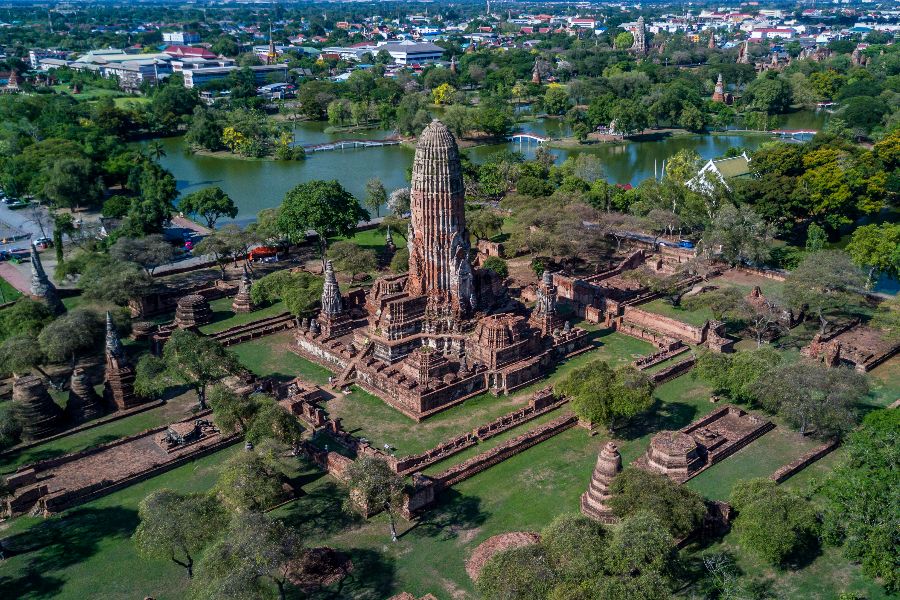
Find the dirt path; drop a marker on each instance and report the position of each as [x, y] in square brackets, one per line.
[16, 278]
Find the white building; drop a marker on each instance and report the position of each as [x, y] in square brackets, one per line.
[181, 37]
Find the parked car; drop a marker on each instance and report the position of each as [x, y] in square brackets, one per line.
[685, 244]
[42, 243]
[17, 204]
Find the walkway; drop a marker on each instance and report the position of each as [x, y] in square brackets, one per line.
[342, 144]
[14, 277]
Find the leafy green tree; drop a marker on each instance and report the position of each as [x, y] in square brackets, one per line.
[255, 552]
[104, 278]
[187, 359]
[178, 526]
[79, 331]
[624, 40]
[116, 207]
[72, 182]
[575, 547]
[484, 224]
[324, 207]
[639, 560]
[458, 119]
[250, 481]
[631, 117]
[738, 235]
[373, 486]
[493, 121]
[376, 196]
[300, 291]
[400, 261]
[20, 354]
[233, 412]
[605, 396]
[10, 425]
[497, 265]
[877, 248]
[725, 303]
[210, 203]
[225, 46]
[149, 252]
[351, 258]
[735, 375]
[556, 100]
[339, 112]
[825, 282]
[812, 396]
[815, 238]
[769, 94]
[515, 574]
[24, 317]
[862, 498]
[773, 523]
[678, 508]
[273, 422]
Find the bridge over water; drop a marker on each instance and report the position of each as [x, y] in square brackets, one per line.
[343, 144]
[528, 138]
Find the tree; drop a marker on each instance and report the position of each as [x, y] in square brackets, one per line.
[324, 207]
[639, 560]
[630, 117]
[24, 317]
[299, 291]
[339, 112]
[373, 485]
[399, 202]
[225, 46]
[773, 523]
[815, 238]
[443, 94]
[350, 257]
[484, 224]
[862, 498]
[605, 396]
[250, 481]
[177, 526]
[233, 412]
[149, 252]
[272, 421]
[458, 119]
[678, 508]
[734, 375]
[556, 100]
[515, 574]
[724, 303]
[223, 246]
[497, 265]
[187, 359]
[738, 235]
[71, 182]
[19, 354]
[876, 247]
[210, 203]
[113, 281]
[770, 94]
[400, 261]
[80, 330]
[575, 547]
[255, 551]
[812, 396]
[825, 282]
[624, 40]
[376, 196]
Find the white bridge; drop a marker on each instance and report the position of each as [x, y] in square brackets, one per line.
[343, 144]
[528, 138]
[796, 134]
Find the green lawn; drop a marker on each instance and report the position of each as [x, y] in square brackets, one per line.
[373, 239]
[270, 355]
[692, 317]
[885, 382]
[176, 408]
[88, 92]
[86, 552]
[224, 317]
[7, 292]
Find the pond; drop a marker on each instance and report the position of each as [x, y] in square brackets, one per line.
[258, 184]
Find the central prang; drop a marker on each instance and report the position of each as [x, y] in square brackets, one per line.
[444, 331]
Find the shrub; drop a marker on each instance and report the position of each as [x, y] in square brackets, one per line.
[497, 265]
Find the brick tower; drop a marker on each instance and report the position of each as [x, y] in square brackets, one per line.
[593, 501]
[439, 244]
[544, 316]
[333, 318]
[41, 288]
[119, 385]
[719, 93]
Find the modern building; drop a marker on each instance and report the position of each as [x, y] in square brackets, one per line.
[181, 37]
[263, 74]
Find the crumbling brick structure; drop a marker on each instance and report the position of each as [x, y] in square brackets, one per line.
[39, 415]
[594, 500]
[242, 302]
[119, 383]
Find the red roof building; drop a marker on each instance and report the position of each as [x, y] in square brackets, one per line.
[189, 51]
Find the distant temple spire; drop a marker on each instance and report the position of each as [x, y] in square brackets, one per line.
[41, 288]
[536, 73]
[332, 303]
[640, 37]
[113, 343]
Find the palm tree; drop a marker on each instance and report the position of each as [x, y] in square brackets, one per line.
[156, 149]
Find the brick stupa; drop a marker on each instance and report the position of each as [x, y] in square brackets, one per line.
[119, 383]
[242, 302]
[192, 311]
[334, 321]
[594, 500]
[39, 415]
[84, 403]
[41, 288]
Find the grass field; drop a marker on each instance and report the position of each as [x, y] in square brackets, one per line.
[7, 292]
[271, 355]
[660, 307]
[224, 317]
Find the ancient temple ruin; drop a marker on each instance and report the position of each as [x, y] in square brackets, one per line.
[242, 302]
[594, 500]
[84, 402]
[640, 44]
[41, 287]
[39, 415]
[536, 73]
[445, 331]
[119, 383]
[192, 311]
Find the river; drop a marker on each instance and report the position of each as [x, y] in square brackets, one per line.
[258, 184]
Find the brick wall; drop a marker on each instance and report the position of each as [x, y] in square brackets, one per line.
[792, 468]
[665, 325]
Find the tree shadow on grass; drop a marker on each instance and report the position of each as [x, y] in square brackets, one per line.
[372, 578]
[57, 543]
[454, 513]
[662, 415]
[320, 512]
